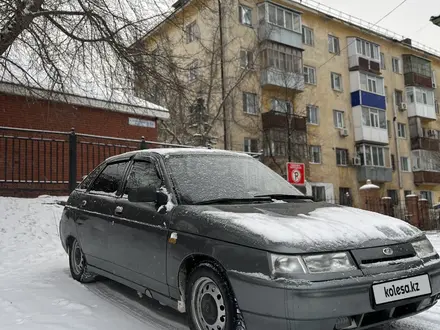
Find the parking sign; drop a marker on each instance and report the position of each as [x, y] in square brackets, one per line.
[296, 173]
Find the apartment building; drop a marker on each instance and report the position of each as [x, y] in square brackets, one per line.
[352, 103]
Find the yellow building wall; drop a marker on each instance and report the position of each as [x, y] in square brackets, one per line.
[241, 125]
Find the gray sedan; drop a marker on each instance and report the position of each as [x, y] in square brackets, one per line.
[220, 236]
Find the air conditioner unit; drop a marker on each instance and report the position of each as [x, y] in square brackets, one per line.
[356, 161]
[343, 132]
[403, 106]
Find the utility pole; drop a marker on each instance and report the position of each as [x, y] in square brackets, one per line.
[222, 72]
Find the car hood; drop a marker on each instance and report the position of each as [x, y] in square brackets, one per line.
[298, 227]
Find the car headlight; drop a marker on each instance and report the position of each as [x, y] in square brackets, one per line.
[318, 263]
[329, 263]
[284, 265]
[424, 249]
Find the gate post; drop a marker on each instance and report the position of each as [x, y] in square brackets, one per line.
[143, 144]
[72, 160]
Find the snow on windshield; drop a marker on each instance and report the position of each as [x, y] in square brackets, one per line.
[203, 177]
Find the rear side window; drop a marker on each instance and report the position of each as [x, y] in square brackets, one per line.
[110, 179]
[89, 178]
[143, 174]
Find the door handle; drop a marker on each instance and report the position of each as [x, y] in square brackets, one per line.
[83, 203]
[118, 210]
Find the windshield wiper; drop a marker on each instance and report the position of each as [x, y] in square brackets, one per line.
[235, 200]
[284, 196]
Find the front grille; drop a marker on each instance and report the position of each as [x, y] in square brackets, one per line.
[376, 257]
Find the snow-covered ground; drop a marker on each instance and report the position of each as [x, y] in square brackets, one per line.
[37, 292]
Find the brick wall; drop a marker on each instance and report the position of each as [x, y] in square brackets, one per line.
[42, 167]
[19, 111]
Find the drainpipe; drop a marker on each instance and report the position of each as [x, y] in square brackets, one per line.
[222, 72]
[396, 143]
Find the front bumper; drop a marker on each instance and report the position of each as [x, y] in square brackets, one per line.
[267, 304]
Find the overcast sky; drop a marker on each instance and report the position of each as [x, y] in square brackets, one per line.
[410, 20]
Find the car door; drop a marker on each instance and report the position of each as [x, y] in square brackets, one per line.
[96, 207]
[139, 235]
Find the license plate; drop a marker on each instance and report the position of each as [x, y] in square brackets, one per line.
[401, 289]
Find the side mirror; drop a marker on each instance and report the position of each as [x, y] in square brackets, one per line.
[148, 195]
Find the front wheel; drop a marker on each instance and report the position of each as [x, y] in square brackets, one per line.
[210, 300]
[78, 264]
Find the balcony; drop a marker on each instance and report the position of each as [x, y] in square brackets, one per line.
[414, 79]
[270, 32]
[426, 177]
[277, 78]
[374, 173]
[421, 102]
[417, 71]
[363, 55]
[285, 29]
[279, 120]
[368, 99]
[370, 134]
[424, 143]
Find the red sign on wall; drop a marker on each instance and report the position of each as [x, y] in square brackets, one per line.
[296, 173]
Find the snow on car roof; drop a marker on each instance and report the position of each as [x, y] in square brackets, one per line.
[180, 151]
[169, 151]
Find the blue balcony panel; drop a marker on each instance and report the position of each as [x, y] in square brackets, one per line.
[368, 99]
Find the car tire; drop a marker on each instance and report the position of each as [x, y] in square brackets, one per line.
[78, 264]
[210, 301]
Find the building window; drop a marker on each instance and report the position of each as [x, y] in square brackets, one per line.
[245, 15]
[336, 80]
[404, 164]
[333, 45]
[338, 119]
[401, 130]
[284, 18]
[398, 96]
[374, 118]
[341, 157]
[396, 65]
[309, 75]
[276, 143]
[281, 106]
[193, 70]
[250, 145]
[372, 84]
[312, 114]
[283, 58]
[345, 197]
[318, 193]
[192, 32]
[367, 49]
[407, 192]
[382, 61]
[250, 103]
[246, 59]
[315, 154]
[427, 195]
[373, 155]
[308, 37]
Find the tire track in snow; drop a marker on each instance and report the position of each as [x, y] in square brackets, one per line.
[133, 308]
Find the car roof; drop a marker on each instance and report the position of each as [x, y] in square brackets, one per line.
[176, 151]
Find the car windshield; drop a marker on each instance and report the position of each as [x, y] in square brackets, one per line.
[204, 177]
